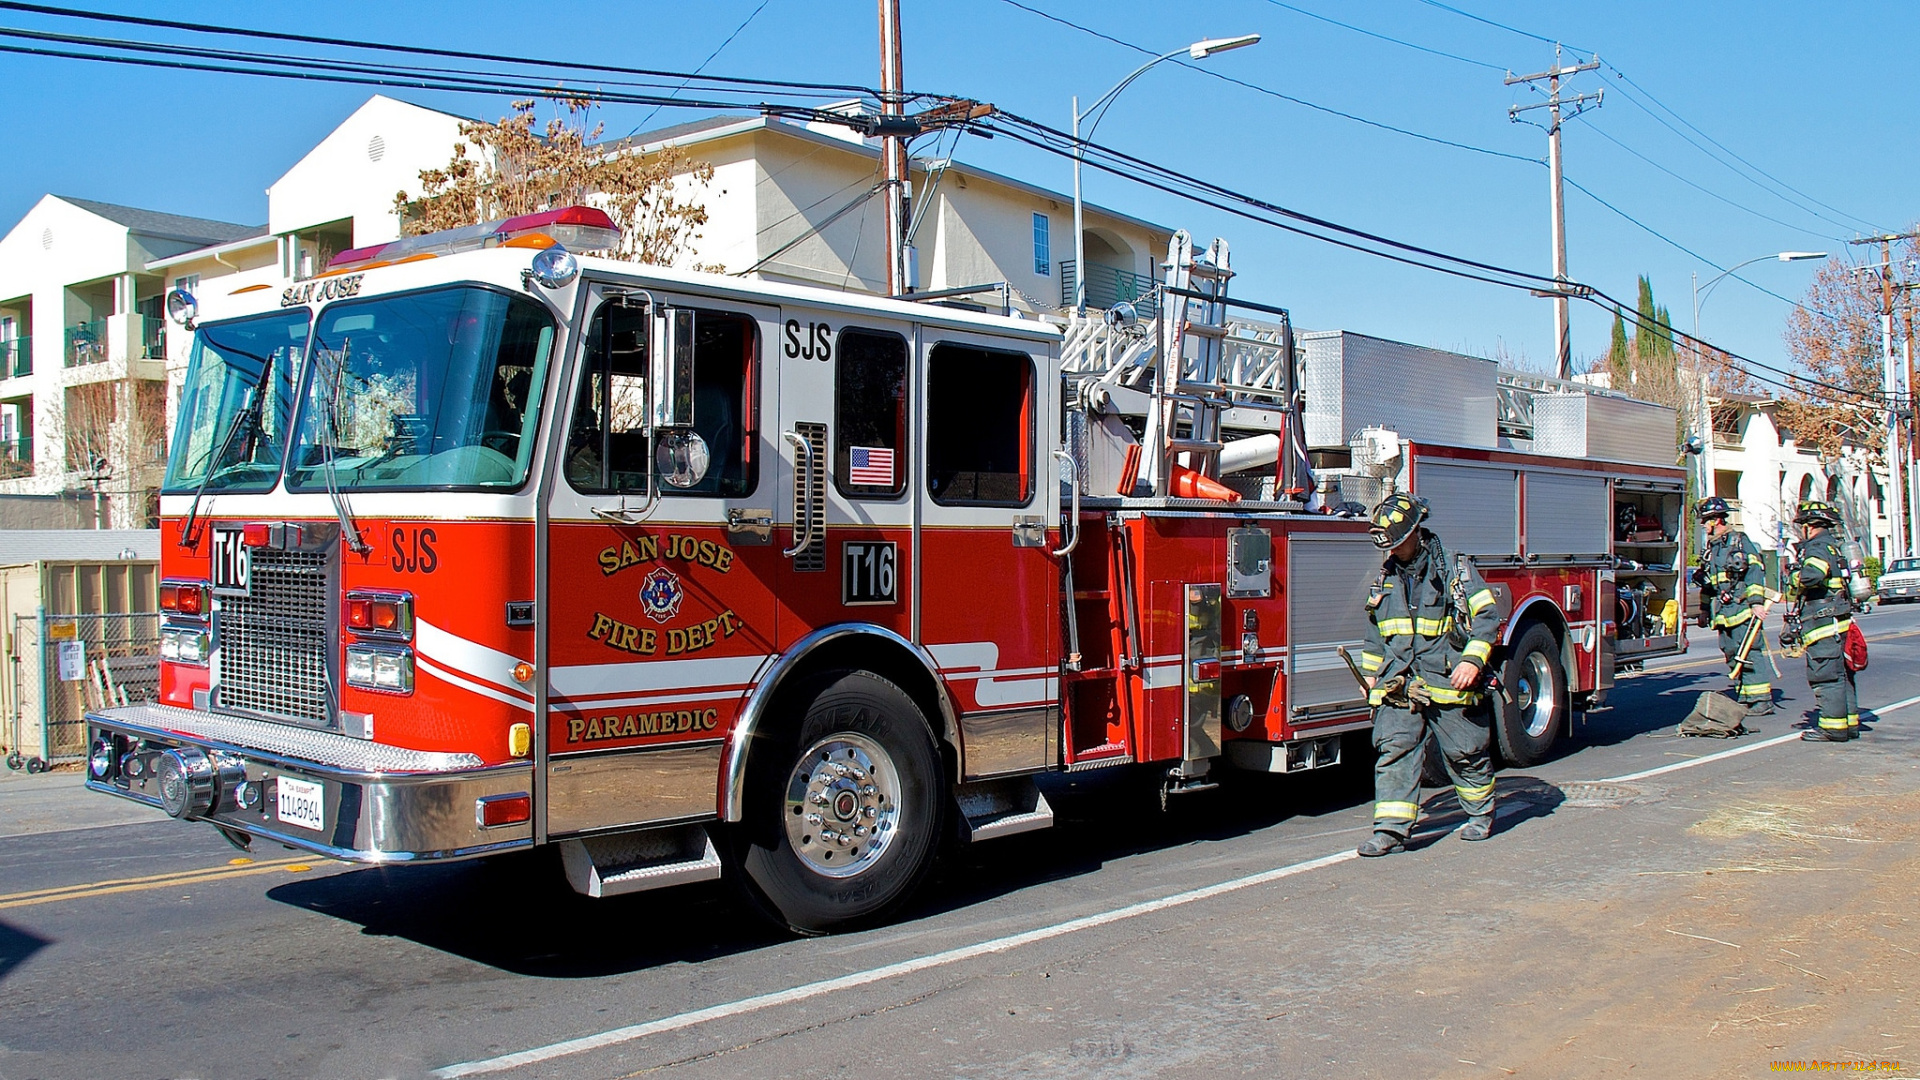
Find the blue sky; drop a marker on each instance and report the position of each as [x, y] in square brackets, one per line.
[1801, 92]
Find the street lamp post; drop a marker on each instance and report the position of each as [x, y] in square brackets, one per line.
[1699, 367]
[1199, 50]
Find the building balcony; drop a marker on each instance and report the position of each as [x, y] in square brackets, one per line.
[16, 458]
[87, 343]
[1107, 287]
[16, 357]
[118, 346]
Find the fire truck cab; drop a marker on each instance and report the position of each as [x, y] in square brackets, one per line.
[473, 545]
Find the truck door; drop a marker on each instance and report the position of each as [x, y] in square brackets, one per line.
[660, 574]
[986, 576]
[848, 526]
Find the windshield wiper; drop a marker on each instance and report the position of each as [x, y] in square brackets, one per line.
[249, 418]
[329, 450]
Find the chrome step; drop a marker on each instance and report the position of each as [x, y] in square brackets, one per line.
[996, 808]
[634, 862]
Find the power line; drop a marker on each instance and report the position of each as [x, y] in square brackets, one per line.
[1386, 37]
[717, 50]
[1602, 132]
[1678, 246]
[1624, 77]
[1269, 92]
[418, 50]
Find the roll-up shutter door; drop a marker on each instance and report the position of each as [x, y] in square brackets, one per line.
[1567, 515]
[1327, 582]
[1476, 509]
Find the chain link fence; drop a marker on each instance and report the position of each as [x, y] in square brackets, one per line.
[64, 665]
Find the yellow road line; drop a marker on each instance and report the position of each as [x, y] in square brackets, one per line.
[156, 881]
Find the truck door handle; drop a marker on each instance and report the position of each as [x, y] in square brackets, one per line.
[803, 489]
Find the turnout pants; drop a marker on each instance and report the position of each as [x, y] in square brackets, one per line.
[1400, 734]
[1749, 685]
[1833, 689]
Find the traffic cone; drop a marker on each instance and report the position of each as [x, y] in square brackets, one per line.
[1184, 483]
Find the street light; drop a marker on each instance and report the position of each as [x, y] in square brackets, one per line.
[1699, 369]
[1199, 50]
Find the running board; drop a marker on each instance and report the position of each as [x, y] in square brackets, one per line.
[634, 862]
[996, 808]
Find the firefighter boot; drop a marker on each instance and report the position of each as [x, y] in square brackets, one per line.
[1825, 733]
[1478, 827]
[1761, 707]
[1382, 843]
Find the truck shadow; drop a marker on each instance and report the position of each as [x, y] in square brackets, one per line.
[16, 947]
[1656, 701]
[517, 914]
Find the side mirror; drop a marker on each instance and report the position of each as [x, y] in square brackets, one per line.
[681, 456]
[670, 368]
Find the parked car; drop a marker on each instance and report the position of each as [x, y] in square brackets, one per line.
[1901, 581]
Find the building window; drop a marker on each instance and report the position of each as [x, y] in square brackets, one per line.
[1042, 247]
[188, 282]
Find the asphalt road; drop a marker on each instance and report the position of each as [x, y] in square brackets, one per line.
[1234, 934]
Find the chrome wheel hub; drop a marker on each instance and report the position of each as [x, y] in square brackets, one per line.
[1533, 695]
[843, 805]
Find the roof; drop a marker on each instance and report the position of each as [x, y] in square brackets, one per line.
[168, 226]
[722, 126]
[214, 250]
[20, 546]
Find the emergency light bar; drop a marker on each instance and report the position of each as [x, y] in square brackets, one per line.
[577, 228]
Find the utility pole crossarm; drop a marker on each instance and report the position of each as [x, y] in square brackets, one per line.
[1555, 72]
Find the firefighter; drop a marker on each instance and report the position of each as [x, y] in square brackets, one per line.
[1733, 590]
[1431, 630]
[1826, 613]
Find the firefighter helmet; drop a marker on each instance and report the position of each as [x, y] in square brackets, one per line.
[1815, 512]
[1713, 507]
[1395, 519]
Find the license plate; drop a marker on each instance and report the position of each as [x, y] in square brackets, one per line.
[232, 562]
[301, 803]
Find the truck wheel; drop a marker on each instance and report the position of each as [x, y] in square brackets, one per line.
[843, 819]
[1527, 728]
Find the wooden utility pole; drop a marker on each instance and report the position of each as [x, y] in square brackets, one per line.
[893, 150]
[1579, 103]
[1890, 386]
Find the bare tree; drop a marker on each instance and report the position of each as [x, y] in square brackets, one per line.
[116, 436]
[518, 166]
[1835, 337]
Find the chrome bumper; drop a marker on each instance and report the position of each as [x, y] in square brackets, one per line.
[381, 804]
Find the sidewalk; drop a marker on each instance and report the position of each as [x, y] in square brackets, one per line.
[58, 801]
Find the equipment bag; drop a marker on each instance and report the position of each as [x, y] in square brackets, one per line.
[1853, 648]
[1714, 716]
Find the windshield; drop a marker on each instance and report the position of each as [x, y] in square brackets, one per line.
[1902, 566]
[230, 434]
[426, 390]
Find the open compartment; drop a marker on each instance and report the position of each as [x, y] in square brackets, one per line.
[1649, 567]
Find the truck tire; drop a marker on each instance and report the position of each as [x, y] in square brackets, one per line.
[1527, 727]
[843, 815]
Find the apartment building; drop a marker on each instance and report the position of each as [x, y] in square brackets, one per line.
[1761, 469]
[82, 350]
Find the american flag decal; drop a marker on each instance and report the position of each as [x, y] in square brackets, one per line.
[870, 465]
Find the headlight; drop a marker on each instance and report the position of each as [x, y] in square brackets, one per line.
[371, 668]
[185, 644]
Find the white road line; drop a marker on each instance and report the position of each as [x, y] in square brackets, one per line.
[1737, 751]
[862, 978]
[681, 1021]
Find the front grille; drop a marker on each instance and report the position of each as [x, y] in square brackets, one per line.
[273, 641]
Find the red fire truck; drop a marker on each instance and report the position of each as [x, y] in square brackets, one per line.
[474, 545]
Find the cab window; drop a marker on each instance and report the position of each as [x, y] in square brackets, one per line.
[980, 406]
[870, 414]
[607, 450]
